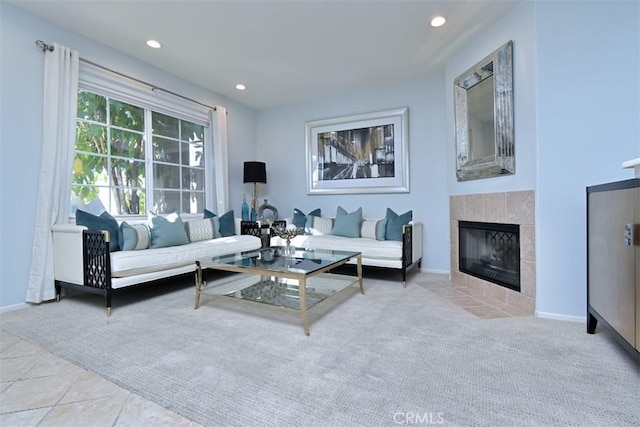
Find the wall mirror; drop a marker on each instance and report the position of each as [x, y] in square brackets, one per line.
[483, 102]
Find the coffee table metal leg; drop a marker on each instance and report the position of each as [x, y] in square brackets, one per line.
[360, 273]
[302, 293]
[198, 284]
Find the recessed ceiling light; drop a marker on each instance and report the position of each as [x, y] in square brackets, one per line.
[438, 21]
[154, 44]
[240, 86]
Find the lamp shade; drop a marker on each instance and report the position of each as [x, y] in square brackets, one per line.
[255, 172]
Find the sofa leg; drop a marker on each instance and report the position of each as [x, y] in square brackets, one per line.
[108, 296]
[58, 290]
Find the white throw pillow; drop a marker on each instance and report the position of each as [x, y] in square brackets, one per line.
[319, 225]
[202, 229]
[373, 228]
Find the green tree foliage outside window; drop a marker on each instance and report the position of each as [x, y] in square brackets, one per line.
[110, 165]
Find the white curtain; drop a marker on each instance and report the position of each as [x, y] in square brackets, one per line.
[218, 120]
[56, 160]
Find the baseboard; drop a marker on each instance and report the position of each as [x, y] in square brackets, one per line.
[13, 307]
[435, 271]
[556, 316]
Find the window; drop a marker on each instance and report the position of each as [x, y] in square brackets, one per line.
[116, 169]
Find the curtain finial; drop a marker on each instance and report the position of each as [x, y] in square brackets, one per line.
[45, 47]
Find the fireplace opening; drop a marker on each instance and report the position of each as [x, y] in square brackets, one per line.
[490, 252]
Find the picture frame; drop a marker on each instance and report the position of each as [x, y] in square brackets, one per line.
[363, 153]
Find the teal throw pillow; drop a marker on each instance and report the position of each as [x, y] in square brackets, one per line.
[227, 224]
[167, 231]
[300, 219]
[134, 237]
[347, 224]
[395, 223]
[208, 214]
[103, 222]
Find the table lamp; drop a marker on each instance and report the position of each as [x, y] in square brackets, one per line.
[255, 172]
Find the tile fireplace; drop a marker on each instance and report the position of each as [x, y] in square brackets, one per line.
[490, 251]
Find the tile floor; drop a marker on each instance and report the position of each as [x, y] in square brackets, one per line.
[40, 389]
[471, 300]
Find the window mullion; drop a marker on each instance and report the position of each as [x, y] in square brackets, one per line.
[109, 176]
[148, 156]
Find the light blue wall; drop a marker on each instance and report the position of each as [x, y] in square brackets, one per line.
[577, 118]
[21, 117]
[588, 95]
[281, 144]
[577, 115]
[519, 26]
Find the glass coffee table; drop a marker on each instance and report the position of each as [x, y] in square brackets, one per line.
[299, 282]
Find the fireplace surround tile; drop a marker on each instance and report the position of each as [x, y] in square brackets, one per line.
[528, 243]
[517, 207]
[528, 278]
[520, 207]
[496, 292]
[474, 207]
[495, 207]
[526, 303]
[456, 207]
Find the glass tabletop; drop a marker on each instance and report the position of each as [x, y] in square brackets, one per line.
[304, 261]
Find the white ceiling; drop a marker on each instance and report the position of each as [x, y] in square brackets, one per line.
[283, 51]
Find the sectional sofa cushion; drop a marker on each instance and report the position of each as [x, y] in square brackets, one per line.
[300, 219]
[132, 263]
[374, 229]
[381, 250]
[318, 225]
[347, 224]
[202, 229]
[395, 222]
[103, 222]
[167, 231]
[134, 237]
[227, 224]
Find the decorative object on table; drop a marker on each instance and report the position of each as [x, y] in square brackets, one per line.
[373, 152]
[245, 208]
[265, 236]
[255, 172]
[288, 233]
[267, 213]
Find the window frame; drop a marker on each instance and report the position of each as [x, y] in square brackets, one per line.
[102, 82]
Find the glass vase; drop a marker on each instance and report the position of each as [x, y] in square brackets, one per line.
[289, 250]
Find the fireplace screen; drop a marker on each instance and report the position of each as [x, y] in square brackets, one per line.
[491, 252]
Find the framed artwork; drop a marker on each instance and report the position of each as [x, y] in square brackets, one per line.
[364, 153]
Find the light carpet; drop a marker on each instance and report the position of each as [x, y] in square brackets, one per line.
[392, 356]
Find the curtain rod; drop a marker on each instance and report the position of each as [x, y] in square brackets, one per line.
[48, 47]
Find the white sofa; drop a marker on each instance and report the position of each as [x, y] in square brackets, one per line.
[400, 255]
[82, 260]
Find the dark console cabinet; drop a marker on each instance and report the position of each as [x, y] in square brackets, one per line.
[613, 260]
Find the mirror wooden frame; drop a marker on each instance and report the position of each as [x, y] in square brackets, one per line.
[498, 64]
